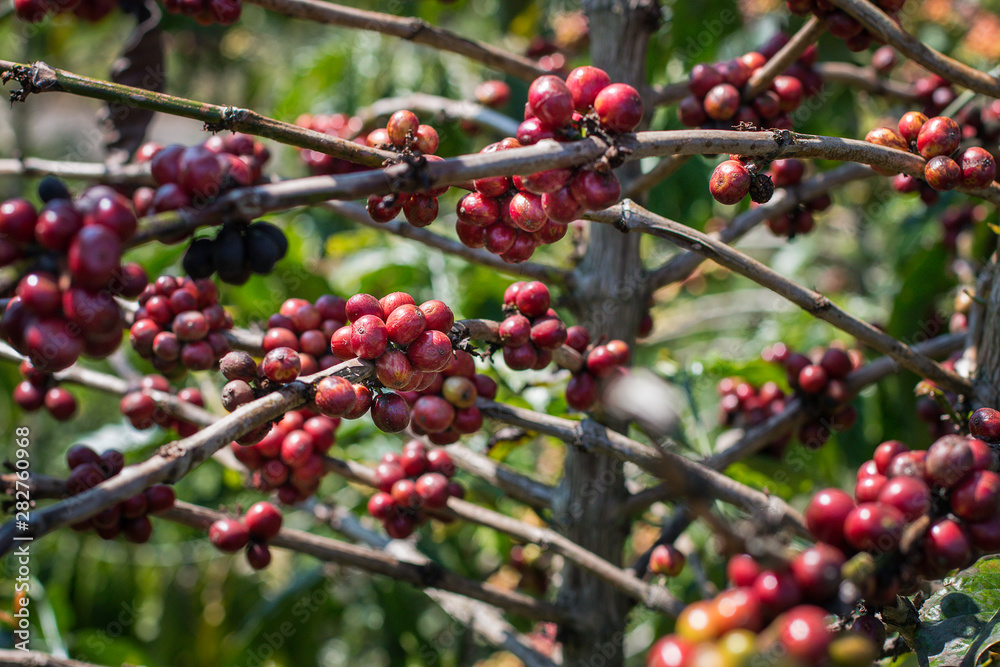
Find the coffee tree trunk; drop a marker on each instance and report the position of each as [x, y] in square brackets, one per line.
[610, 293]
[987, 379]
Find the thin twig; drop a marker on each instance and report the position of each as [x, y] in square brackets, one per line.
[630, 216]
[533, 270]
[174, 460]
[788, 54]
[790, 418]
[409, 28]
[485, 620]
[18, 658]
[39, 78]
[889, 32]
[785, 200]
[685, 478]
[865, 78]
[126, 174]
[516, 485]
[440, 107]
[379, 562]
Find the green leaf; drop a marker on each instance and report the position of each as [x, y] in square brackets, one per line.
[960, 621]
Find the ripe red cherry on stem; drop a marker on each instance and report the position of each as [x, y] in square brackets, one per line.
[949, 460]
[665, 559]
[335, 396]
[381, 505]
[985, 424]
[401, 124]
[886, 452]
[551, 101]
[909, 495]
[595, 190]
[263, 521]
[281, 365]
[978, 497]
[826, 514]
[57, 224]
[978, 167]
[533, 299]
[670, 651]
[946, 546]
[722, 102]
[581, 391]
[584, 84]
[703, 78]
[817, 571]
[742, 570]
[777, 591]
[363, 304]
[17, 221]
[729, 183]
[874, 527]
[390, 413]
[229, 535]
[938, 136]
[438, 315]
[369, 336]
[804, 634]
[910, 124]
[433, 490]
[619, 107]
[942, 173]
[94, 255]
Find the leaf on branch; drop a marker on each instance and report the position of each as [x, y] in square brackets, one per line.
[141, 64]
[960, 622]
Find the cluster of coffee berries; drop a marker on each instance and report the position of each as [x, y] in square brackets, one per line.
[512, 216]
[289, 457]
[731, 629]
[532, 330]
[64, 305]
[307, 328]
[787, 173]
[717, 92]
[179, 325]
[932, 511]
[249, 380]
[446, 410]
[742, 405]
[39, 390]
[735, 178]
[667, 560]
[193, 176]
[410, 483]
[937, 141]
[252, 531]
[130, 517]
[239, 250]
[34, 11]
[143, 411]
[404, 134]
[338, 125]
[408, 344]
[818, 379]
[600, 361]
[842, 25]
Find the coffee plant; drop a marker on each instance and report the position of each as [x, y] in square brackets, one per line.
[500, 333]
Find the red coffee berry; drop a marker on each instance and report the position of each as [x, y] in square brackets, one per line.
[363, 304]
[938, 136]
[909, 495]
[390, 413]
[335, 396]
[665, 559]
[730, 182]
[393, 369]
[985, 424]
[873, 526]
[978, 167]
[229, 535]
[258, 555]
[886, 452]
[400, 125]
[803, 633]
[949, 460]
[942, 173]
[910, 124]
[619, 107]
[263, 521]
[813, 379]
[777, 591]
[946, 546]
[594, 190]
[584, 84]
[722, 102]
[977, 498]
[430, 352]
[281, 365]
[551, 101]
[433, 490]
[826, 514]
[438, 315]
[581, 391]
[369, 336]
[817, 572]
[432, 413]
[671, 651]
